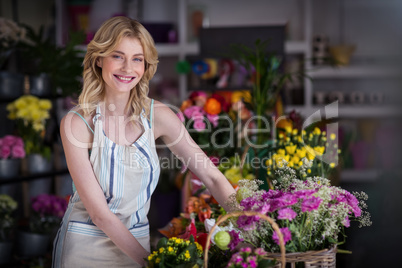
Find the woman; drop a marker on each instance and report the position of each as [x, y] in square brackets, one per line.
[109, 143]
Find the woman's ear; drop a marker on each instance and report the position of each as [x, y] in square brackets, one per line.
[99, 63]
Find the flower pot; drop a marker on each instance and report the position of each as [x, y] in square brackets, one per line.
[31, 244]
[6, 250]
[40, 85]
[342, 53]
[9, 168]
[11, 85]
[36, 163]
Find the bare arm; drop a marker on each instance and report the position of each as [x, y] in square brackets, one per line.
[173, 133]
[76, 137]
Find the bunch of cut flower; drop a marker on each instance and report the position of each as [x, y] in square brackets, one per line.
[247, 257]
[204, 116]
[48, 212]
[11, 147]
[311, 213]
[176, 252]
[292, 145]
[31, 114]
[234, 170]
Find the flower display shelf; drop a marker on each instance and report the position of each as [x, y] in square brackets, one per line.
[325, 258]
[280, 256]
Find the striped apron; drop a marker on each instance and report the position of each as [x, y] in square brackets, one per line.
[128, 175]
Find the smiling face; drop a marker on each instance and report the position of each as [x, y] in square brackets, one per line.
[124, 67]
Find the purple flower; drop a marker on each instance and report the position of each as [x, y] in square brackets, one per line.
[346, 222]
[252, 261]
[304, 193]
[311, 203]
[287, 235]
[286, 213]
[352, 201]
[247, 222]
[247, 249]
[235, 239]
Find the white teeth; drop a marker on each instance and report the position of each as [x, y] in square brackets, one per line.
[124, 78]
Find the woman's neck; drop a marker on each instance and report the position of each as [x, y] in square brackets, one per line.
[116, 105]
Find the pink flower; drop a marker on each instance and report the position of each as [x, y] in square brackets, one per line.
[311, 203]
[199, 125]
[19, 141]
[5, 151]
[213, 119]
[180, 116]
[18, 151]
[191, 110]
[346, 222]
[215, 160]
[286, 213]
[9, 140]
[287, 235]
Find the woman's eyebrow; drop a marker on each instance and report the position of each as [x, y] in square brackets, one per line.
[122, 53]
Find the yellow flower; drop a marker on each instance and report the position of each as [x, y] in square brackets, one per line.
[10, 106]
[12, 116]
[295, 159]
[170, 249]
[301, 152]
[250, 177]
[161, 250]
[288, 129]
[187, 254]
[317, 131]
[45, 104]
[310, 153]
[291, 149]
[332, 165]
[38, 126]
[332, 136]
[158, 260]
[308, 170]
[23, 113]
[281, 136]
[36, 115]
[20, 103]
[281, 152]
[295, 131]
[268, 162]
[319, 150]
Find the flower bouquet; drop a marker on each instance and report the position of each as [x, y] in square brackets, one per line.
[311, 214]
[31, 114]
[11, 147]
[7, 206]
[176, 252]
[48, 210]
[292, 145]
[203, 117]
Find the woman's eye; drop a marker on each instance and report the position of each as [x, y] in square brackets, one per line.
[138, 59]
[116, 57]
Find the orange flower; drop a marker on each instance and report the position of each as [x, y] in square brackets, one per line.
[185, 104]
[193, 204]
[213, 106]
[204, 211]
[174, 228]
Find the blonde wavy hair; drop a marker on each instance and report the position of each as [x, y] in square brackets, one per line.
[103, 44]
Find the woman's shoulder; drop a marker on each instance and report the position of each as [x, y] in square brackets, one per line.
[78, 120]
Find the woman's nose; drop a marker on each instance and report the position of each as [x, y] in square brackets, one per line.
[128, 66]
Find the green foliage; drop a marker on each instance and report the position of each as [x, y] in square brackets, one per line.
[62, 64]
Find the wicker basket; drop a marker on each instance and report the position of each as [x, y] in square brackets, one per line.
[279, 256]
[325, 258]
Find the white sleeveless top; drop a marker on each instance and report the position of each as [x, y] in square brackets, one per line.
[128, 175]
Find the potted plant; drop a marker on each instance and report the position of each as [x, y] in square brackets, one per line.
[47, 212]
[11, 152]
[7, 206]
[31, 115]
[57, 67]
[12, 37]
